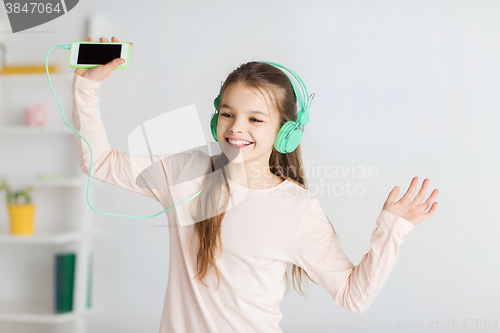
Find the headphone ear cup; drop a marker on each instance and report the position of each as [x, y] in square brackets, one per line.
[216, 102]
[213, 125]
[293, 140]
[287, 145]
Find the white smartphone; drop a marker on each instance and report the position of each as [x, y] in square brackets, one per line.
[92, 54]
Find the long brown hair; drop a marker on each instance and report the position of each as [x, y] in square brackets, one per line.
[206, 206]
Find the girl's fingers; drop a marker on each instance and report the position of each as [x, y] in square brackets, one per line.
[432, 210]
[430, 200]
[393, 195]
[409, 194]
[421, 194]
[89, 39]
[113, 39]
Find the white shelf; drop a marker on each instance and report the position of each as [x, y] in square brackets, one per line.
[51, 238]
[21, 181]
[40, 313]
[34, 131]
[36, 78]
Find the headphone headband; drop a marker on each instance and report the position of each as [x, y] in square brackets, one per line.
[301, 94]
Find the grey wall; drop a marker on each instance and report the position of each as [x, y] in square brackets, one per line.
[407, 87]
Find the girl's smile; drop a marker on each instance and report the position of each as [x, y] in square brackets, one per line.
[237, 144]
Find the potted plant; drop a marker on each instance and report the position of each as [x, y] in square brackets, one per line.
[21, 210]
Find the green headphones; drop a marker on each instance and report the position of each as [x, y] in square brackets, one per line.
[290, 133]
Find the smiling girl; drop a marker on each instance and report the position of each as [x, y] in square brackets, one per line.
[254, 219]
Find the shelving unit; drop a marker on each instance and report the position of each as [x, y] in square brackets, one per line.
[37, 313]
[67, 227]
[26, 131]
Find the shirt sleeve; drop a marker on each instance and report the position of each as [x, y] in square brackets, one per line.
[315, 249]
[141, 174]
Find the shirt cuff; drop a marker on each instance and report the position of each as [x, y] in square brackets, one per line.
[404, 226]
[80, 80]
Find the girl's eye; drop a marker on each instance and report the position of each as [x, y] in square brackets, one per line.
[227, 114]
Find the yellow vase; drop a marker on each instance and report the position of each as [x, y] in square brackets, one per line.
[22, 218]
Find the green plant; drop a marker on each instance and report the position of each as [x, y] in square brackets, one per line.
[16, 197]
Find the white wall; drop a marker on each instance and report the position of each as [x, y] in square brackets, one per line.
[409, 87]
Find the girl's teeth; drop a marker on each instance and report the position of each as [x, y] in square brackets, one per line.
[239, 143]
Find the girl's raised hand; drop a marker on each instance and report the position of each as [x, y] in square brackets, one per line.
[412, 211]
[101, 72]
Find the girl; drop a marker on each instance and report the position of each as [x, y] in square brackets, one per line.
[228, 261]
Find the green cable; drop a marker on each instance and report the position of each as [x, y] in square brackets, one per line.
[67, 47]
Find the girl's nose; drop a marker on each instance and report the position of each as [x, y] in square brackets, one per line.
[237, 127]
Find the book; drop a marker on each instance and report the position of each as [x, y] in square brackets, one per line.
[64, 281]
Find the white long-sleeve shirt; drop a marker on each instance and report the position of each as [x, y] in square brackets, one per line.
[265, 230]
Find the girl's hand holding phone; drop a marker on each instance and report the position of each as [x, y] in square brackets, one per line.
[412, 211]
[101, 72]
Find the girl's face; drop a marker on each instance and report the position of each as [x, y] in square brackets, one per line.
[244, 115]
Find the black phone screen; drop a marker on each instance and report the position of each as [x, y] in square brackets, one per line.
[98, 54]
